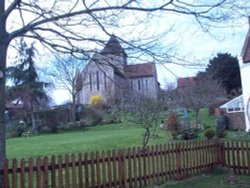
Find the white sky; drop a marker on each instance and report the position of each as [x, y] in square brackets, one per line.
[192, 44]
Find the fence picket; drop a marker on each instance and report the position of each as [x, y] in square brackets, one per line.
[86, 170]
[31, 173]
[14, 173]
[6, 174]
[60, 171]
[248, 157]
[109, 169]
[114, 168]
[73, 170]
[128, 168]
[243, 158]
[139, 166]
[103, 169]
[80, 182]
[53, 171]
[98, 171]
[134, 167]
[92, 168]
[67, 178]
[22, 175]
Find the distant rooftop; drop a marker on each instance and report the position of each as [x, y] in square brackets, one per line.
[185, 82]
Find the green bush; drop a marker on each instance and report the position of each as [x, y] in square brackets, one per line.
[209, 133]
[16, 129]
[222, 122]
[188, 134]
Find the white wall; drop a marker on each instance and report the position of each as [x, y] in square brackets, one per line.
[245, 81]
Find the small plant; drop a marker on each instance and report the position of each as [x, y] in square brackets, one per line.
[209, 133]
[173, 124]
[188, 134]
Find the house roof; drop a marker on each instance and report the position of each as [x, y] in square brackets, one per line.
[140, 70]
[246, 47]
[185, 82]
[113, 47]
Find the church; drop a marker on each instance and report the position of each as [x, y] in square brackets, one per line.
[109, 75]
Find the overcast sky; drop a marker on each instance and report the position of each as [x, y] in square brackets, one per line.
[193, 45]
[200, 46]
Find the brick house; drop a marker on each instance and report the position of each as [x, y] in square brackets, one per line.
[109, 75]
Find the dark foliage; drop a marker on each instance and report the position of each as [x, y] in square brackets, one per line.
[225, 69]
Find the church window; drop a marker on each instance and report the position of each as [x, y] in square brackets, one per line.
[146, 84]
[90, 82]
[105, 81]
[139, 85]
[97, 81]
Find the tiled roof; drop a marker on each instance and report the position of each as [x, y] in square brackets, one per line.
[139, 70]
[246, 47]
[112, 47]
[185, 82]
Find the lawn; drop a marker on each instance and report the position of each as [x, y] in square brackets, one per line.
[217, 180]
[96, 138]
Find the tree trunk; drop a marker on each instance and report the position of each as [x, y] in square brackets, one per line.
[4, 42]
[33, 120]
[73, 110]
[197, 118]
[145, 138]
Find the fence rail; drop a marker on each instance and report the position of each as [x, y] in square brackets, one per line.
[132, 167]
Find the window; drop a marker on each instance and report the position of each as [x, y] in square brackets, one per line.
[131, 85]
[139, 85]
[97, 81]
[90, 82]
[146, 84]
[105, 81]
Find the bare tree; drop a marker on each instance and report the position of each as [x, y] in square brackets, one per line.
[65, 72]
[198, 94]
[64, 26]
[144, 111]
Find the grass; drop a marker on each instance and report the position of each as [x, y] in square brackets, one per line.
[97, 138]
[221, 180]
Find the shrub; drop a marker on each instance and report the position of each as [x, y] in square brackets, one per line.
[188, 134]
[96, 101]
[173, 124]
[222, 122]
[16, 129]
[209, 133]
[221, 125]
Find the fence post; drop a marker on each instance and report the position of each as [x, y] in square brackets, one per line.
[178, 161]
[221, 153]
[122, 169]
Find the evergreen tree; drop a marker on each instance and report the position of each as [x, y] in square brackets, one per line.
[26, 89]
[225, 69]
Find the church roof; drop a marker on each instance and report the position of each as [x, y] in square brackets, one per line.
[140, 70]
[113, 47]
[246, 47]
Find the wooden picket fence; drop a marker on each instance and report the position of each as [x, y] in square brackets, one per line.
[127, 167]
